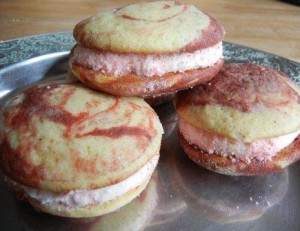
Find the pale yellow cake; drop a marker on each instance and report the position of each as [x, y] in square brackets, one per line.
[143, 28]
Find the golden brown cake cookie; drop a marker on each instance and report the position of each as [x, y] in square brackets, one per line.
[243, 122]
[147, 49]
[74, 152]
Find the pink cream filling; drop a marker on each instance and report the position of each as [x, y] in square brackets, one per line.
[262, 150]
[80, 198]
[146, 65]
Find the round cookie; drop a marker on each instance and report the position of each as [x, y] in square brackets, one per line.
[74, 152]
[243, 122]
[147, 49]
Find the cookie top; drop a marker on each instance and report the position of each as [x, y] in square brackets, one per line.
[244, 102]
[155, 27]
[62, 137]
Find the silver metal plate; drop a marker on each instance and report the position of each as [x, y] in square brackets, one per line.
[181, 195]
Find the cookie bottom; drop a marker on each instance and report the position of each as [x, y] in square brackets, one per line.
[86, 211]
[229, 166]
[133, 85]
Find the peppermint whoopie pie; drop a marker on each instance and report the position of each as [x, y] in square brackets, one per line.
[245, 121]
[74, 152]
[147, 49]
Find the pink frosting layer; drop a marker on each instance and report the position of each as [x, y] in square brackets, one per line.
[80, 198]
[262, 150]
[146, 65]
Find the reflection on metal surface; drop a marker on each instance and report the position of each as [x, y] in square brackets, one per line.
[4, 93]
[170, 201]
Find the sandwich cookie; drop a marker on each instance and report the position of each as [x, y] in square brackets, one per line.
[147, 49]
[73, 152]
[243, 122]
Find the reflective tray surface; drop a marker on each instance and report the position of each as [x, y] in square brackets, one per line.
[181, 195]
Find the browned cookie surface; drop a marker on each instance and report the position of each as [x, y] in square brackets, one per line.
[133, 85]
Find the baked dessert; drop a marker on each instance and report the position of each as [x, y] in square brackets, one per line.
[246, 121]
[228, 199]
[74, 152]
[147, 49]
